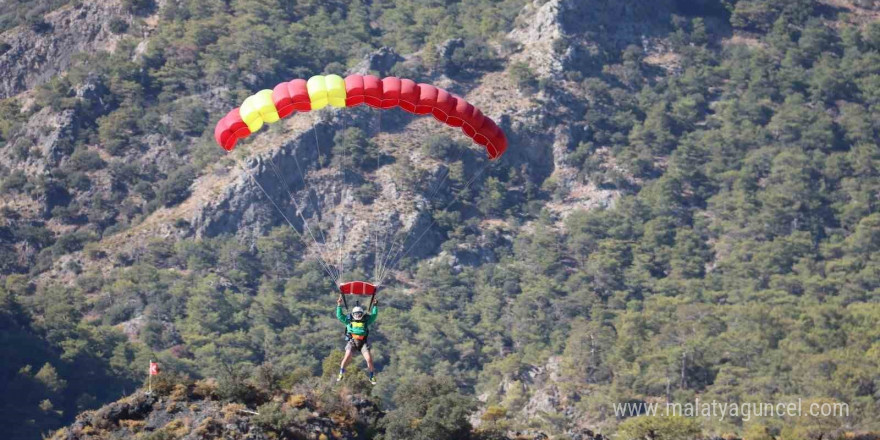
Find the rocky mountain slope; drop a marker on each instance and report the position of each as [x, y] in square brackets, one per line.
[192, 412]
[41, 51]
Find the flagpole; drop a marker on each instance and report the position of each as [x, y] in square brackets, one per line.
[150, 378]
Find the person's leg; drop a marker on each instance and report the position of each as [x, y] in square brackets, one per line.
[345, 358]
[368, 357]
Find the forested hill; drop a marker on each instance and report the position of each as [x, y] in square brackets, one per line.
[688, 209]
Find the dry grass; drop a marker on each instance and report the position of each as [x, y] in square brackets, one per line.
[133, 425]
[179, 394]
[177, 428]
[743, 40]
[230, 411]
[205, 388]
[666, 60]
[297, 400]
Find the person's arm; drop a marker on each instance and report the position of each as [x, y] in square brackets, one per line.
[339, 315]
[374, 312]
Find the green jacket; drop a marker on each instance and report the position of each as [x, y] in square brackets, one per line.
[357, 327]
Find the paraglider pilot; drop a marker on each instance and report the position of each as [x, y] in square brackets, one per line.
[357, 330]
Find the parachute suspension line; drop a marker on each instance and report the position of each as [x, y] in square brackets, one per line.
[388, 252]
[377, 265]
[448, 169]
[280, 211]
[315, 121]
[436, 189]
[389, 244]
[309, 191]
[376, 227]
[394, 260]
[395, 245]
[380, 262]
[342, 195]
[296, 205]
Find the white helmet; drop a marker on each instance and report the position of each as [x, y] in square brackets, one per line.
[357, 312]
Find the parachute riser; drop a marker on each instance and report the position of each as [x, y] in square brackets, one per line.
[344, 302]
[372, 297]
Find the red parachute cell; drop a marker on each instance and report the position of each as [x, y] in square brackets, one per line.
[491, 137]
[427, 99]
[372, 91]
[390, 92]
[282, 100]
[291, 96]
[497, 140]
[357, 288]
[354, 90]
[459, 112]
[444, 105]
[409, 95]
[473, 121]
[486, 134]
[230, 129]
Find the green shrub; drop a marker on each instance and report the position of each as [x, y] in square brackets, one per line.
[117, 25]
[353, 150]
[176, 188]
[273, 418]
[191, 119]
[117, 130]
[523, 76]
[660, 428]
[367, 192]
[138, 6]
[14, 182]
[38, 24]
[473, 55]
[85, 160]
[78, 181]
[444, 148]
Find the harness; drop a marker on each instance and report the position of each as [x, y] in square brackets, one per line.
[359, 338]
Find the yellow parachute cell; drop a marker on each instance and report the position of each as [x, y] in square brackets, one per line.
[323, 90]
[335, 90]
[257, 109]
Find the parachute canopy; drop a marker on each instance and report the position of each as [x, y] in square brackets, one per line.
[299, 95]
[357, 288]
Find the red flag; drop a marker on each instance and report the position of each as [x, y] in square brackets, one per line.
[154, 368]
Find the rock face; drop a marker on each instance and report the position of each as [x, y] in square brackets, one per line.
[48, 135]
[539, 38]
[244, 208]
[182, 415]
[560, 35]
[380, 61]
[36, 55]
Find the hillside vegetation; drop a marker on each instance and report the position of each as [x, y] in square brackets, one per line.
[734, 254]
